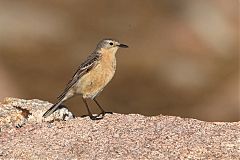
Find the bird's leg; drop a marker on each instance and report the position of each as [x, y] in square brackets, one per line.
[102, 110]
[89, 112]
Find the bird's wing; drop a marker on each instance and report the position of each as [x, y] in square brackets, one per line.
[82, 69]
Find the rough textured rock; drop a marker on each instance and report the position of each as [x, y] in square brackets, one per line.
[120, 136]
[16, 112]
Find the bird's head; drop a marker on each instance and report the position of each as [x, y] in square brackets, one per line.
[110, 44]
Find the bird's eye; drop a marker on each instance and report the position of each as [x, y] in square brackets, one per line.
[111, 43]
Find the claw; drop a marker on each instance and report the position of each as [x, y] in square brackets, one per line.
[95, 118]
[92, 117]
[103, 113]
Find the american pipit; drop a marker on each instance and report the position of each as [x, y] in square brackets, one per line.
[92, 76]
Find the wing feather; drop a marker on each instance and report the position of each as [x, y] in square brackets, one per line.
[82, 69]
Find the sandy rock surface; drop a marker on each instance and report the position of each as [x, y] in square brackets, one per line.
[121, 136]
[16, 112]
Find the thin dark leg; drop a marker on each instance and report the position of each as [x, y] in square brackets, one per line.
[102, 110]
[89, 112]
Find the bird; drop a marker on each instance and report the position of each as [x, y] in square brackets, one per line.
[91, 77]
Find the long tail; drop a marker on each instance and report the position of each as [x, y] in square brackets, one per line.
[52, 109]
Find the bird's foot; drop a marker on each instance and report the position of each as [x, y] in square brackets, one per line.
[98, 116]
[102, 114]
[93, 117]
[106, 113]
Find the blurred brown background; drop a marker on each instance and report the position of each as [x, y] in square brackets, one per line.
[183, 58]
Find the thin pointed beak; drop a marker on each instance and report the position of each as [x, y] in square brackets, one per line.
[122, 45]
